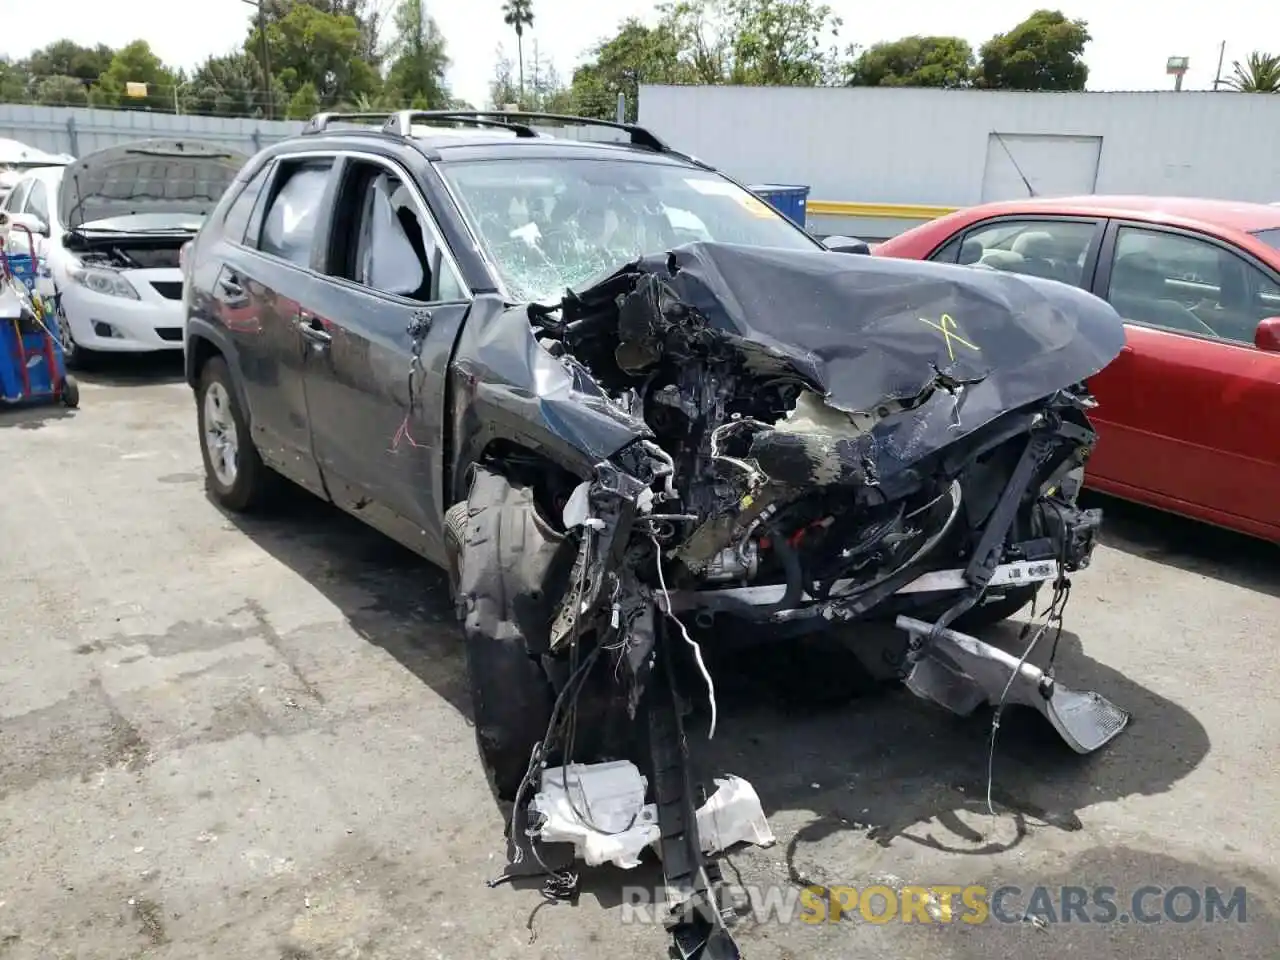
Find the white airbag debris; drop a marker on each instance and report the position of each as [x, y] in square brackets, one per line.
[602, 813]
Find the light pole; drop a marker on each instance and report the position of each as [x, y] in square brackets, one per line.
[266, 55]
[1177, 67]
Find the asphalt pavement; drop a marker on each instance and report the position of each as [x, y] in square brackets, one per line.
[229, 738]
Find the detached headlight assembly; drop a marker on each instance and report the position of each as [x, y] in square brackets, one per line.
[107, 282]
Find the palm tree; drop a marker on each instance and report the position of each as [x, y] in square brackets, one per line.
[1260, 73]
[518, 14]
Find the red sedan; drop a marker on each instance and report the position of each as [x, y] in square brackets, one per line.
[1189, 414]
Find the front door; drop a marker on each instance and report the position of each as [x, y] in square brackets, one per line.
[262, 289]
[379, 354]
[1189, 413]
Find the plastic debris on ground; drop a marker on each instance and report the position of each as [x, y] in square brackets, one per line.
[600, 809]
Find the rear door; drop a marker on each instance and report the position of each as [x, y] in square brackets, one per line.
[1058, 248]
[378, 351]
[264, 286]
[1189, 413]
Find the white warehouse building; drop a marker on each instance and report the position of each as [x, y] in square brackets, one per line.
[879, 160]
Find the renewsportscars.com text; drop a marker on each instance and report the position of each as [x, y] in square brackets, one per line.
[973, 904]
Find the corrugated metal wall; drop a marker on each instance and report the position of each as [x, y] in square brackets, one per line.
[915, 146]
[80, 131]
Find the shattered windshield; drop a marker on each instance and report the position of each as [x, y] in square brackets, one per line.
[559, 223]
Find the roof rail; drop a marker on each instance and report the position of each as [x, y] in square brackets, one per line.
[320, 122]
[402, 121]
[640, 137]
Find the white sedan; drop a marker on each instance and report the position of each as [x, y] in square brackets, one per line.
[110, 228]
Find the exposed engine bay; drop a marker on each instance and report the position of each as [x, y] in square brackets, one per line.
[790, 438]
[127, 253]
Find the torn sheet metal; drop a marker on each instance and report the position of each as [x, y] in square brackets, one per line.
[600, 809]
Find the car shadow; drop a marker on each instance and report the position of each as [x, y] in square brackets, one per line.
[802, 721]
[33, 417]
[901, 770]
[392, 598]
[132, 369]
[1188, 545]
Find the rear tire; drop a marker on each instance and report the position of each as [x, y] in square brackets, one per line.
[235, 475]
[70, 392]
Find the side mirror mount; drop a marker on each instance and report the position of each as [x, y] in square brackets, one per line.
[847, 245]
[31, 222]
[1267, 336]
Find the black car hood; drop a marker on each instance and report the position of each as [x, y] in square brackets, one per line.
[865, 332]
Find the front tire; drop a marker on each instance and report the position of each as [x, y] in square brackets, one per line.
[74, 356]
[505, 565]
[235, 475]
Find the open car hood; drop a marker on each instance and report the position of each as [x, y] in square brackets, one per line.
[146, 176]
[960, 346]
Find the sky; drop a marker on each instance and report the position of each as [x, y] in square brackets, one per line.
[1132, 39]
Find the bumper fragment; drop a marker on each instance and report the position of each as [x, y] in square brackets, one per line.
[960, 673]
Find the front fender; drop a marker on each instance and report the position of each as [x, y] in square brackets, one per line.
[507, 387]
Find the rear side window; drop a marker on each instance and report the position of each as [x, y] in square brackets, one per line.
[236, 222]
[291, 218]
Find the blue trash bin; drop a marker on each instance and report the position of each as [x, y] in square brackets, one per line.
[790, 201]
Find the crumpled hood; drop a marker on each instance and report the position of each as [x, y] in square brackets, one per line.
[865, 332]
[146, 176]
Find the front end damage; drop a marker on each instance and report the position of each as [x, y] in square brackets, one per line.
[725, 434]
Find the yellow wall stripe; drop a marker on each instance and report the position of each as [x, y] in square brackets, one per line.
[878, 211]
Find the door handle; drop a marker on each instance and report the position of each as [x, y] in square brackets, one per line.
[311, 328]
[230, 285]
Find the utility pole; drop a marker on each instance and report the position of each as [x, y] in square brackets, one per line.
[1217, 77]
[266, 55]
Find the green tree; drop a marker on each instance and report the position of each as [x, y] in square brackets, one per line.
[65, 58]
[304, 103]
[61, 91]
[781, 42]
[231, 86]
[419, 60]
[136, 63]
[518, 14]
[15, 82]
[1044, 52]
[368, 15]
[637, 54]
[502, 88]
[914, 62]
[309, 46]
[1260, 73]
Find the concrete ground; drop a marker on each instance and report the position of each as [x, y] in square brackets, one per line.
[224, 738]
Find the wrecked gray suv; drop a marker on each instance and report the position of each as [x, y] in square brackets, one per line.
[630, 407]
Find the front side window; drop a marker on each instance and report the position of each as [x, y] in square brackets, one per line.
[290, 221]
[1052, 249]
[17, 196]
[559, 223]
[1189, 285]
[38, 201]
[383, 239]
